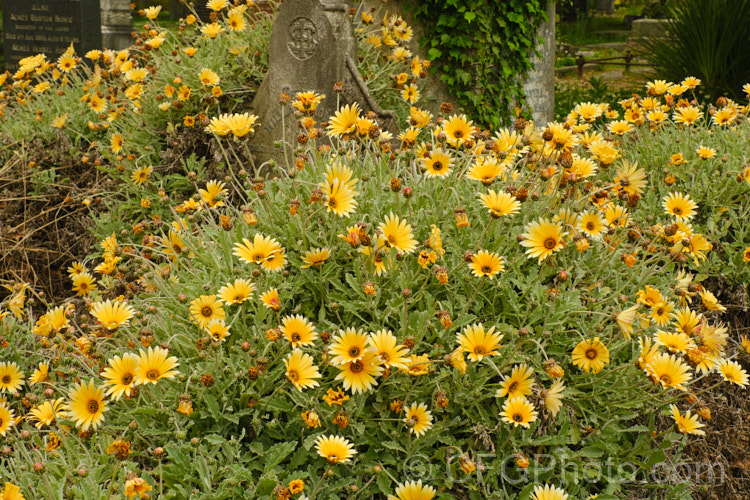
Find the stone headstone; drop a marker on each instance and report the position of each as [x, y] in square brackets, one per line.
[32, 27]
[606, 6]
[117, 24]
[539, 86]
[312, 47]
[651, 28]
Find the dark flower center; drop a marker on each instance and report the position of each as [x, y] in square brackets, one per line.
[518, 417]
[207, 311]
[296, 337]
[6, 379]
[356, 367]
[126, 379]
[293, 375]
[92, 406]
[437, 166]
[152, 374]
[486, 269]
[592, 353]
[550, 243]
[354, 352]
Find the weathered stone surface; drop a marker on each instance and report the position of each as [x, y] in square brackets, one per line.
[312, 47]
[539, 87]
[117, 24]
[649, 27]
[31, 27]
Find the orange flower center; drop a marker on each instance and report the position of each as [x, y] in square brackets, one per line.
[356, 367]
[207, 311]
[126, 379]
[152, 374]
[293, 375]
[550, 243]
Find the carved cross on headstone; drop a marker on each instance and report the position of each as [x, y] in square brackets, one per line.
[312, 47]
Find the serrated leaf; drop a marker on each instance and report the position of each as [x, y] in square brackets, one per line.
[278, 453]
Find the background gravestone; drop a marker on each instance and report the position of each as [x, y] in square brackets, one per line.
[117, 24]
[312, 47]
[32, 27]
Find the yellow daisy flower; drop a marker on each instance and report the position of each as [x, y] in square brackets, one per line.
[413, 490]
[387, 348]
[542, 238]
[518, 384]
[301, 370]
[518, 411]
[335, 449]
[438, 164]
[205, 309]
[418, 418]
[669, 371]
[478, 343]
[86, 405]
[359, 376]
[500, 204]
[315, 257]
[154, 365]
[112, 314]
[591, 355]
[485, 263]
[398, 234]
[298, 330]
[120, 375]
[686, 424]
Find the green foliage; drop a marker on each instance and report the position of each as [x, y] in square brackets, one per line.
[482, 50]
[707, 39]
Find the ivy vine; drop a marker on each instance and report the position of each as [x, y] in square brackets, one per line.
[482, 48]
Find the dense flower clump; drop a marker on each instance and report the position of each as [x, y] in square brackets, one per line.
[486, 302]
